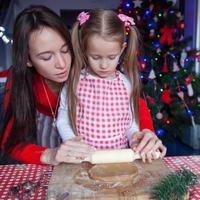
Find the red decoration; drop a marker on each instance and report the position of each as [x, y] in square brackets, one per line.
[152, 34]
[180, 94]
[151, 100]
[166, 96]
[166, 85]
[142, 65]
[196, 55]
[164, 68]
[181, 25]
[188, 80]
[166, 36]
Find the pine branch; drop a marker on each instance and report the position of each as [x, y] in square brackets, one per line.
[175, 185]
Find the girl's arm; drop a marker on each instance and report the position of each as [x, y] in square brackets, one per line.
[145, 121]
[63, 121]
[145, 141]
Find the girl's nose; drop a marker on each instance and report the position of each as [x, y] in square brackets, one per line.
[104, 64]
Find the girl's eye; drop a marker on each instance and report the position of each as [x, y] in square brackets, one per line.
[112, 57]
[95, 58]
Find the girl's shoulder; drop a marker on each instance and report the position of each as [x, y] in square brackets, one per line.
[126, 81]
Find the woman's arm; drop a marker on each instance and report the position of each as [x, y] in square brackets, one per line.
[71, 151]
[145, 118]
[25, 153]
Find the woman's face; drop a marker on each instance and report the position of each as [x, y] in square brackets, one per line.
[49, 54]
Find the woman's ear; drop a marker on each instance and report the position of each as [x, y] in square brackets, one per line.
[29, 63]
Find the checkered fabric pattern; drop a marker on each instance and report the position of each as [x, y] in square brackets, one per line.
[13, 175]
[103, 113]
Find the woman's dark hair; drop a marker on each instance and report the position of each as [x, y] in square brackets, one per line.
[21, 104]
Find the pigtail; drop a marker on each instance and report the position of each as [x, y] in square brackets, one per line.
[131, 69]
[74, 74]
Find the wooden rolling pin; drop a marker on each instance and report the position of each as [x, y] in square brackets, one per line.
[115, 156]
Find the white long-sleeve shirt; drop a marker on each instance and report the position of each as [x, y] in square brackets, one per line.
[63, 122]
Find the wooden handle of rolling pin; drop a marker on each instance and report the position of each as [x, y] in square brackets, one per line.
[115, 156]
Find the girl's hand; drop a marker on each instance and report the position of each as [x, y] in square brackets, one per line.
[71, 151]
[146, 143]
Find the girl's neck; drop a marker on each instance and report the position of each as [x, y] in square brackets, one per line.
[53, 86]
[111, 77]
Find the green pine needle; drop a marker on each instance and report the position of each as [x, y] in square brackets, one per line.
[175, 185]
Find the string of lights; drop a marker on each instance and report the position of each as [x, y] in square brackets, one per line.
[4, 37]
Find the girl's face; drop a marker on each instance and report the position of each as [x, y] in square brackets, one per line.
[103, 56]
[49, 54]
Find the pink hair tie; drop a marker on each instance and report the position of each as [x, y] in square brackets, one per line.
[126, 19]
[83, 17]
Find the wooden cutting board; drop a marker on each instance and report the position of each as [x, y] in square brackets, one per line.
[72, 180]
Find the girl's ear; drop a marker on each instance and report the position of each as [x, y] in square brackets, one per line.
[123, 47]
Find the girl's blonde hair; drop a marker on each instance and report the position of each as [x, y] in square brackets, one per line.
[106, 24]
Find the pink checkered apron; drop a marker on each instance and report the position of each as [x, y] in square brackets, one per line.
[103, 113]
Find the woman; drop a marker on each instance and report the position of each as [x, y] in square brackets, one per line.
[42, 57]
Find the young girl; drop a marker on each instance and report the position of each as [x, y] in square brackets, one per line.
[42, 57]
[104, 93]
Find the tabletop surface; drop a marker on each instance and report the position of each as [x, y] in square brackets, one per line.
[29, 181]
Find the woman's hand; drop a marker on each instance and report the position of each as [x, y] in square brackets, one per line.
[71, 151]
[146, 143]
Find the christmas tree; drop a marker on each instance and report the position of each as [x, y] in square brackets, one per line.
[170, 86]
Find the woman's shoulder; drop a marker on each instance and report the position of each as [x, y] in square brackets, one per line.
[4, 75]
[3, 80]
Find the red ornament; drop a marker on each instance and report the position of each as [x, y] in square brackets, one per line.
[152, 34]
[181, 25]
[166, 36]
[197, 55]
[164, 68]
[166, 96]
[166, 85]
[151, 100]
[180, 94]
[142, 65]
[188, 80]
